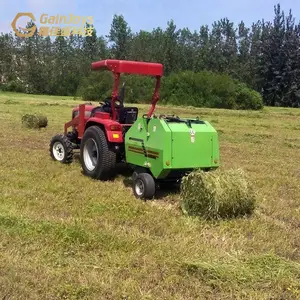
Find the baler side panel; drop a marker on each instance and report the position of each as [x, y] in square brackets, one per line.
[159, 141]
[149, 145]
[216, 151]
[134, 141]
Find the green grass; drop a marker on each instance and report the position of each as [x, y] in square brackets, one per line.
[65, 236]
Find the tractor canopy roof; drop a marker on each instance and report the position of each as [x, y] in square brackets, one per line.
[130, 67]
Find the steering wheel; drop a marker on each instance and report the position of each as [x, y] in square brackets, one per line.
[107, 102]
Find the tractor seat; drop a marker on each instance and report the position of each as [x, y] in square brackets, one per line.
[128, 115]
[100, 109]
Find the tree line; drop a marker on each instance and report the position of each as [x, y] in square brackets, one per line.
[263, 60]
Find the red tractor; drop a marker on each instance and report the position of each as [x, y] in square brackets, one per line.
[161, 149]
[103, 126]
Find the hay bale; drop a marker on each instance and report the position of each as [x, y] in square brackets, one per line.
[218, 194]
[34, 121]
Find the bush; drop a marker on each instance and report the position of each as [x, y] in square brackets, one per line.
[208, 89]
[203, 89]
[217, 195]
[247, 98]
[91, 93]
[139, 89]
[96, 87]
[182, 89]
[14, 86]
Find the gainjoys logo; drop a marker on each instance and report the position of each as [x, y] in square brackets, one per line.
[80, 27]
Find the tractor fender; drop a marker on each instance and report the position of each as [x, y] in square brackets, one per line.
[113, 130]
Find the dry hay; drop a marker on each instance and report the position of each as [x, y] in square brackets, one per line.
[34, 121]
[217, 194]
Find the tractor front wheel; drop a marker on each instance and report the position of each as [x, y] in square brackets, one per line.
[143, 186]
[61, 149]
[98, 160]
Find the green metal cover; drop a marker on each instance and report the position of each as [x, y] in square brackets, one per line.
[164, 146]
[192, 147]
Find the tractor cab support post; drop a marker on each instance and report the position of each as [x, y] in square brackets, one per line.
[155, 97]
[115, 94]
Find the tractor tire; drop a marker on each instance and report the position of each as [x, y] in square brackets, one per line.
[144, 186]
[61, 149]
[97, 159]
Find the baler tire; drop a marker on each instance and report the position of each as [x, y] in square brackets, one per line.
[60, 140]
[137, 171]
[105, 167]
[148, 183]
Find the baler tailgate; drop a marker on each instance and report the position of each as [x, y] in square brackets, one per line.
[192, 146]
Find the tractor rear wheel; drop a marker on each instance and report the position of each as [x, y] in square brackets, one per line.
[144, 186]
[61, 149]
[98, 160]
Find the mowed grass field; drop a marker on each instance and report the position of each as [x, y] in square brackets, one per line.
[65, 236]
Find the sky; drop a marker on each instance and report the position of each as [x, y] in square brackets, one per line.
[147, 14]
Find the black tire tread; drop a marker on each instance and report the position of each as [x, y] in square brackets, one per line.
[138, 170]
[108, 164]
[149, 184]
[67, 145]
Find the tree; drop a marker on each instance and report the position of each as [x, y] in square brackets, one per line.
[186, 50]
[291, 70]
[203, 56]
[119, 36]
[170, 56]
[244, 62]
[266, 56]
[6, 58]
[273, 59]
[141, 46]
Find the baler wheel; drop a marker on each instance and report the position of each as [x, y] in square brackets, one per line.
[137, 171]
[61, 149]
[144, 186]
[98, 160]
